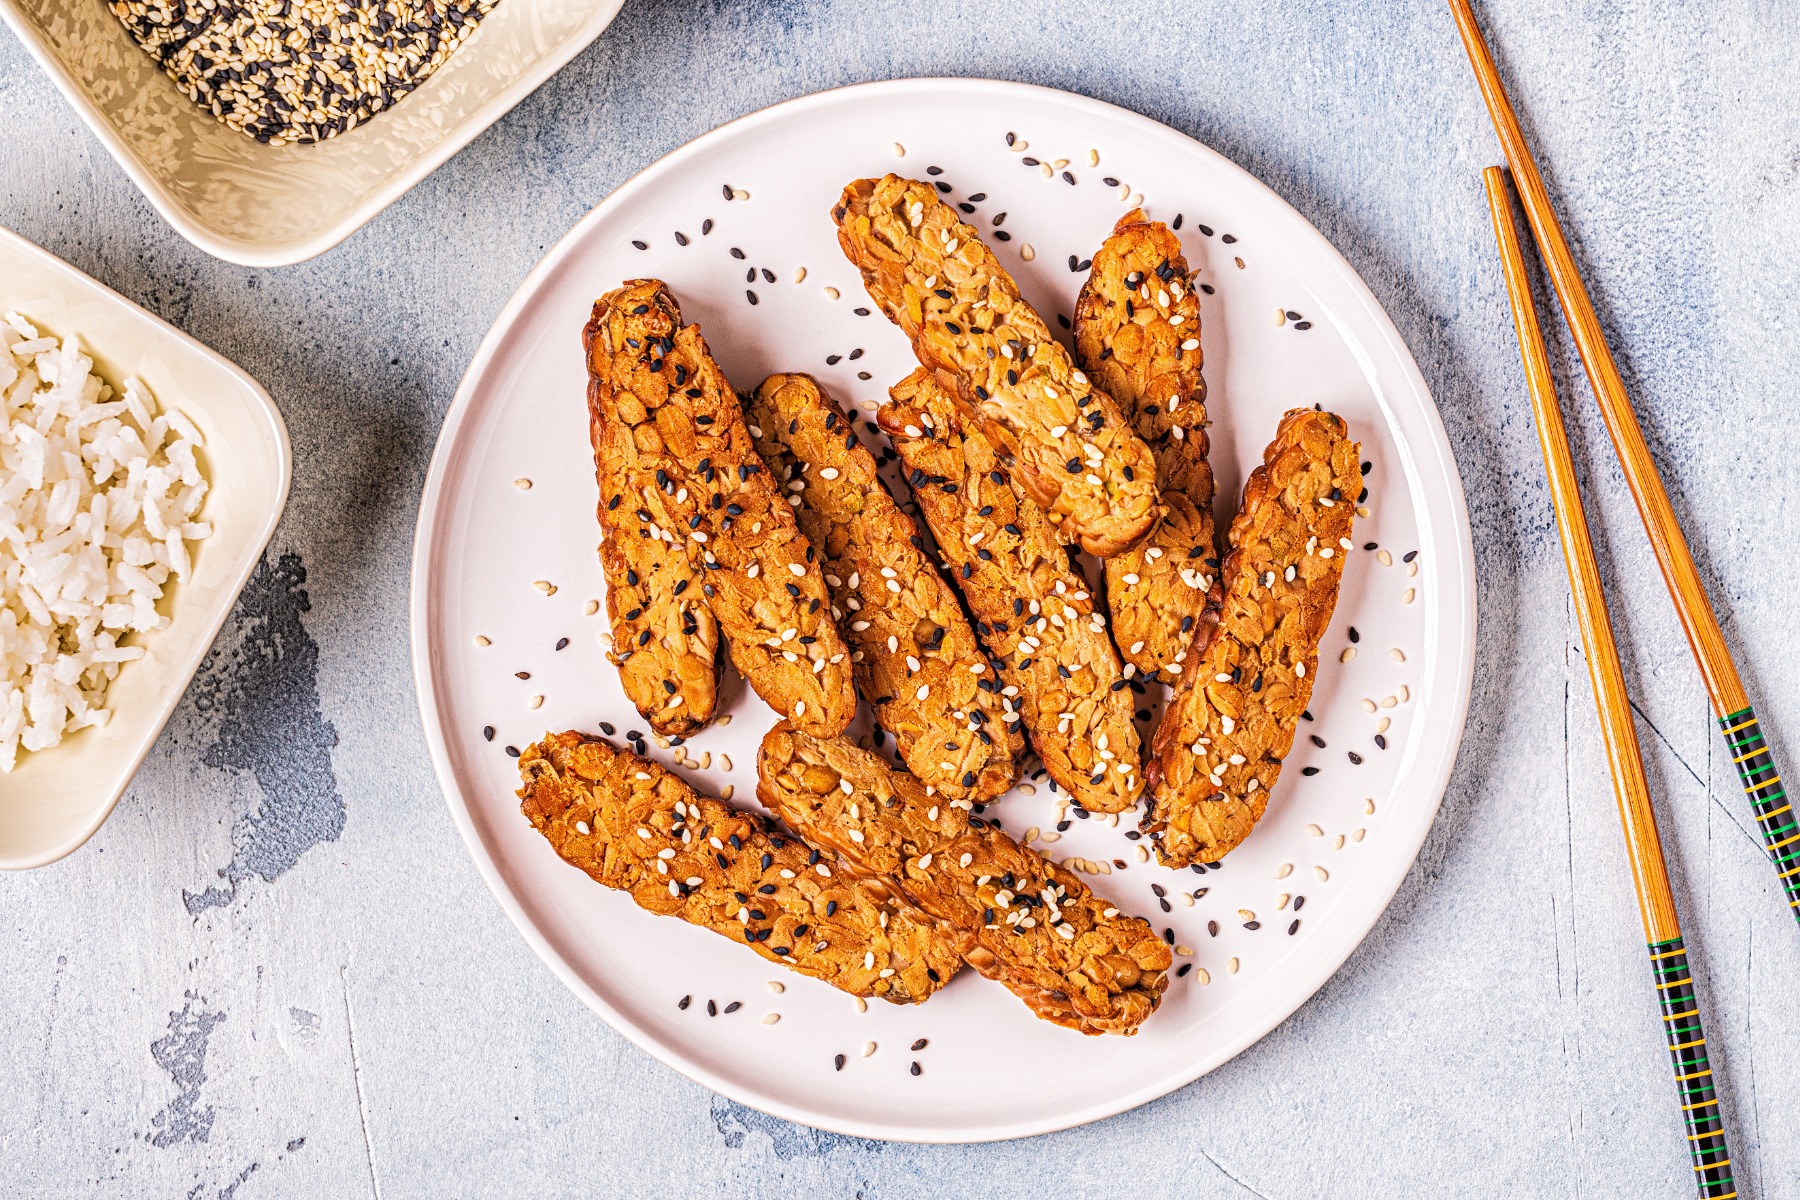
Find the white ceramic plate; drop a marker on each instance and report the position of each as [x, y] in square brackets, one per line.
[55, 799]
[1342, 839]
[267, 206]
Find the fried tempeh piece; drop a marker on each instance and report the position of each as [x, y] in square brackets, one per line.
[1137, 335]
[662, 630]
[1032, 609]
[1231, 720]
[652, 375]
[635, 827]
[1070, 955]
[1066, 442]
[916, 659]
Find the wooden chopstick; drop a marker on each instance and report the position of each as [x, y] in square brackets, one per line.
[1650, 874]
[1744, 739]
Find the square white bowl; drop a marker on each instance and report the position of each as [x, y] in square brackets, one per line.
[55, 799]
[269, 206]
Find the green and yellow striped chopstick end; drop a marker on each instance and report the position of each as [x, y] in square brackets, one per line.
[1693, 1070]
[1769, 802]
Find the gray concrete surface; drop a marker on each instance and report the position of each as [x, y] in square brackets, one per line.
[275, 971]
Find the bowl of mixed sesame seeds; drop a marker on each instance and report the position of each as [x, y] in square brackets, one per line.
[268, 131]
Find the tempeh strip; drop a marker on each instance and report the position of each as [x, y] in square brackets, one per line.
[1071, 956]
[1231, 720]
[635, 827]
[1032, 609]
[652, 374]
[663, 633]
[1137, 335]
[916, 659]
[1065, 441]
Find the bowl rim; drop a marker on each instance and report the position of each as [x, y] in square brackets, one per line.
[250, 252]
[76, 280]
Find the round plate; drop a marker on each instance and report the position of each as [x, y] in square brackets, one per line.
[738, 223]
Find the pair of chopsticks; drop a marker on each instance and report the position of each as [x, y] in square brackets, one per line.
[1656, 903]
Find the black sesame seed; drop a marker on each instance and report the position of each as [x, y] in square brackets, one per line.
[684, 1002]
[562, 643]
[1356, 758]
[1183, 969]
[1380, 742]
[920, 1045]
[733, 1006]
[916, 1069]
[1228, 239]
[1318, 741]
[712, 1010]
[1212, 929]
[1298, 902]
[640, 245]
[681, 239]
[838, 1061]
[1409, 556]
[736, 253]
[512, 752]
[1354, 636]
[1302, 326]
[861, 312]
[1205, 229]
[1309, 772]
[1253, 925]
[706, 227]
[750, 295]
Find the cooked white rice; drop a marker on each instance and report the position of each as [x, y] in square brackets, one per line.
[98, 500]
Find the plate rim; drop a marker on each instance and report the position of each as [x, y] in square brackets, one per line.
[1459, 622]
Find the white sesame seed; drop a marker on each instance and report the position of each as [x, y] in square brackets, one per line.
[771, 1018]
[1348, 654]
[1321, 873]
[482, 641]
[1027, 251]
[523, 484]
[1397, 655]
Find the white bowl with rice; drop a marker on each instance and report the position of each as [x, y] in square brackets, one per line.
[271, 205]
[141, 476]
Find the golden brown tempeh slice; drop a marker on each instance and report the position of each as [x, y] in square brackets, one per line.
[652, 375]
[1231, 720]
[1137, 335]
[665, 640]
[633, 826]
[1065, 441]
[1070, 955]
[1032, 609]
[916, 659]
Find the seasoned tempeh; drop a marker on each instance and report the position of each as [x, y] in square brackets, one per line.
[1137, 335]
[662, 630]
[1070, 955]
[1064, 440]
[1032, 609]
[652, 375]
[916, 659]
[1231, 720]
[633, 826]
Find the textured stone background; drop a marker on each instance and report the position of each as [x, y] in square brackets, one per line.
[276, 973]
